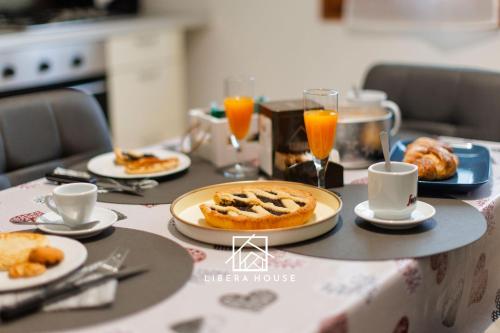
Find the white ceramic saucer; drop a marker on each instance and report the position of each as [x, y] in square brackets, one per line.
[106, 218]
[422, 212]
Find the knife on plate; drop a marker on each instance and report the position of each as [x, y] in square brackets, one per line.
[36, 302]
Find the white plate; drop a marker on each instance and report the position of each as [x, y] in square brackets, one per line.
[104, 165]
[422, 212]
[106, 218]
[75, 255]
[190, 221]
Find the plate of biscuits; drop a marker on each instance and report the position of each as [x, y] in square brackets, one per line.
[30, 259]
[285, 212]
[142, 163]
[445, 167]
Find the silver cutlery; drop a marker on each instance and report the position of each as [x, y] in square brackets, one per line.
[112, 185]
[384, 139]
[137, 185]
[105, 184]
[109, 265]
[87, 276]
[115, 261]
[35, 303]
[143, 184]
[132, 187]
[112, 188]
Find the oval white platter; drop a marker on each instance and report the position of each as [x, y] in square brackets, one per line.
[190, 221]
[75, 255]
[104, 165]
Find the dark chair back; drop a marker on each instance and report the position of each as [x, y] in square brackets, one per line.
[442, 100]
[41, 131]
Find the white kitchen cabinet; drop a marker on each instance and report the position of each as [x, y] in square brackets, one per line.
[146, 87]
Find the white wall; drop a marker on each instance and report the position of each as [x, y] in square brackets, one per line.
[288, 47]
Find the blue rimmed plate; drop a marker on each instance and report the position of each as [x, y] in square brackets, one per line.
[473, 169]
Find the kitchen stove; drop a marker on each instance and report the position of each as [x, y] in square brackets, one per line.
[42, 67]
[50, 17]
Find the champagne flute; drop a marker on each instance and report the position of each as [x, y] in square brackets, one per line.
[239, 106]
[320, 118]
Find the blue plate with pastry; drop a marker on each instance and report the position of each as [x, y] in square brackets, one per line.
[445, 167]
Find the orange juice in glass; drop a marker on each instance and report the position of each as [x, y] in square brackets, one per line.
[320, 119]
[320, 128]
[239, 107]
[239, 112]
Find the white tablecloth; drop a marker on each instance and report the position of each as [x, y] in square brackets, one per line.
[458, 291]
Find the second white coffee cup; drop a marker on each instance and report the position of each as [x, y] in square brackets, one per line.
[73, 202]
[392, 194]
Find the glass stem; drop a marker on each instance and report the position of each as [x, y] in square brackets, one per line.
[321, 165]
[237, 146]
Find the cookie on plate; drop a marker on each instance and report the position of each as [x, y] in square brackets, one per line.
[259, 207]
[48, 256]
[26, 269]
[15, 247]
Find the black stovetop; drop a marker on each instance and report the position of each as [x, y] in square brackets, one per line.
[49, 17]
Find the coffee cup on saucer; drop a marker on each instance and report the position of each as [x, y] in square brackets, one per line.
[74, 203]
[392, 193]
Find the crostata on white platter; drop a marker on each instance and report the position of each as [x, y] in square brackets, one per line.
[285, 212]
[259, 207]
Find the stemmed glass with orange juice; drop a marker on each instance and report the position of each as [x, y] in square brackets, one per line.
[239, 107]
[320, 118]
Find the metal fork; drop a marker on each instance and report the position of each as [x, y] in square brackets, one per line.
[113, 263]
[109, 265]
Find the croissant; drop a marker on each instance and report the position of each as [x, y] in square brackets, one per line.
[435, 160]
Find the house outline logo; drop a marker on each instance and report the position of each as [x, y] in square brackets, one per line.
[255, 260]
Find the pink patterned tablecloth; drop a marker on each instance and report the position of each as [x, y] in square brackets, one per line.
[458, 291]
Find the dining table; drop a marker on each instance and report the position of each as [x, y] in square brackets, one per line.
[454, 291]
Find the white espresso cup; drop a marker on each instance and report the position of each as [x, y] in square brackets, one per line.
[73, 202]
[392, 195]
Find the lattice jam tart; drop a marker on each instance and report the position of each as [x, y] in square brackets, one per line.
[259, 207]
